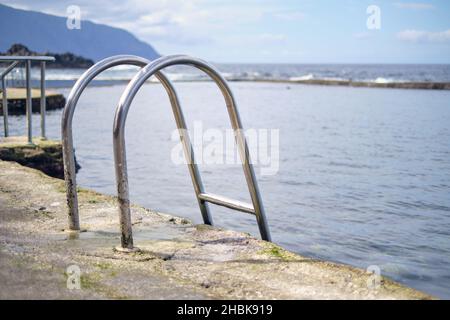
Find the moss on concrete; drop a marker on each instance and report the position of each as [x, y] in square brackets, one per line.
[275, 251]
[203, 227]
[44, 155]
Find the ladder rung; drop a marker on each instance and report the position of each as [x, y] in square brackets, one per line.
[227, 202]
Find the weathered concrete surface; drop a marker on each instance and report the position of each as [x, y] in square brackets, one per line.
[17, 100]
[44, 155]
[177, 259]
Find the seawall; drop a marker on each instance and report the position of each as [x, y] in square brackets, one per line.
[17, 101]
[178, 260]
[360, 84]
[44, 155]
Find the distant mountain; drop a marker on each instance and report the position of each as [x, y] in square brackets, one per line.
[48, 33]
[62, 60]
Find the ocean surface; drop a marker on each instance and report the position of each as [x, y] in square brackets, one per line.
[363, 174]
[376, 73]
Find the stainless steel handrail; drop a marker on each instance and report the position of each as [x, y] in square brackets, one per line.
[120, 154]
[66, 131]
[27, 59]
[9, 68]
[5, 96]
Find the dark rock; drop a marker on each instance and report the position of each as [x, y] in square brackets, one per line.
[62, 60]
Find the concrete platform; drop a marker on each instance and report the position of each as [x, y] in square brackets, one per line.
[44, 155]
[178, 260]
[17, 100]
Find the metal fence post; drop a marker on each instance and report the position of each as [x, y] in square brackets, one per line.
[5, 108]
[5, 95]
[29, 102]
[43, 102]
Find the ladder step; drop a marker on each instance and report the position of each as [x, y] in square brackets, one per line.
[227, 202]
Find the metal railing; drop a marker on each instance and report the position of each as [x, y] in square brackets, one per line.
[16, 60]
[203, 198]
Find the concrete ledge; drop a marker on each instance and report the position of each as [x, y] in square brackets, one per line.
[178, 260]
[44, 155]
[359, 84]
[17, 101]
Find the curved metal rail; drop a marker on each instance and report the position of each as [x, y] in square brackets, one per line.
[120, 154]
[66, 132]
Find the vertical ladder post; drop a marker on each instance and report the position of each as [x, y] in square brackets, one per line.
[29, 102]
[251, 181]
[5, 107]
[192, 165]
[43, 102]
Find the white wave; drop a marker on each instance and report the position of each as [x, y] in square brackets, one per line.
[382, 80]
[61, 77]
[309, 76]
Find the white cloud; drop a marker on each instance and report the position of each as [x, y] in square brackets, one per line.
[290, 16]
[424, 36]
[272, 37]
[414, 5]
[363, 35]
[184, 21]
[291, 53]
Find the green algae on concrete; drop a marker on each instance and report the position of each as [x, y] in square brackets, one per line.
[178, 260]
[277, 252]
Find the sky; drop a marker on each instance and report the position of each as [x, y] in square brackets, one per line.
[276, 31]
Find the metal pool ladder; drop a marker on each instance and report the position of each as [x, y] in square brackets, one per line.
[154, 68]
